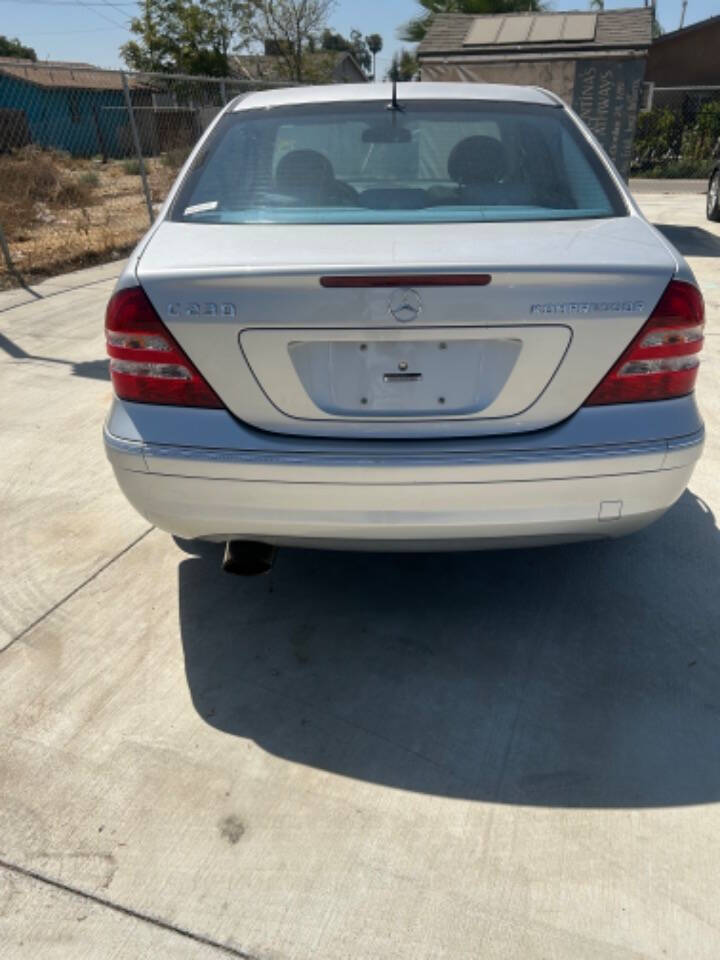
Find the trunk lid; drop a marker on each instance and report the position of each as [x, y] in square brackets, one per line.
[287, 354]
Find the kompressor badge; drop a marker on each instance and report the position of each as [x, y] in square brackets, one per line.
[589, 306]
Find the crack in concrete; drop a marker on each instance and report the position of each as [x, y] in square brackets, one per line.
[68, 596]
[127, 911]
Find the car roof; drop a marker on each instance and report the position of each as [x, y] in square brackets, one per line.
[364, 92]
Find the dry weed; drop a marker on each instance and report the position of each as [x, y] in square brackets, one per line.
[60, 212]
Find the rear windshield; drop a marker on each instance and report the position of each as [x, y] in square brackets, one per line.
[429, 162]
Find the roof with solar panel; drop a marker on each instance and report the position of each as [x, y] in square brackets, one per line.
[453, 33]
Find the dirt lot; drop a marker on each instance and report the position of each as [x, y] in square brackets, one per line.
[59, 213]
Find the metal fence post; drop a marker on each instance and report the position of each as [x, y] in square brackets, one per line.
[223, 93]
[138, 149]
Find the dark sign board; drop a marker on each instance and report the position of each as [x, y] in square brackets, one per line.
[606, 95]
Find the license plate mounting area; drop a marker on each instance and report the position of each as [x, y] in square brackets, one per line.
[405, 377]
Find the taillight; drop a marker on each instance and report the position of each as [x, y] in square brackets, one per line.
[146, 364]
[662, 361]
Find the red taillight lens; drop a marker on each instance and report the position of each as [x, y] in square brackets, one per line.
[662, 361]
[408, 280]
[146, 364]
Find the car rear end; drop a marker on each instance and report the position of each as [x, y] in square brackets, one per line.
[453, 330]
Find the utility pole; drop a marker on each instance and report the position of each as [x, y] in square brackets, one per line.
[682, 14]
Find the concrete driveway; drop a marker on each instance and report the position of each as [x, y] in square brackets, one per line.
[496, 756]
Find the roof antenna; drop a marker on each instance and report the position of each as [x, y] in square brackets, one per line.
[394, 105]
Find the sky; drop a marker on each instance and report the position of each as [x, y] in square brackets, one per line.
[93, 30]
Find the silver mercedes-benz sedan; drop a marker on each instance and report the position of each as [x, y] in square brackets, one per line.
[414, 318]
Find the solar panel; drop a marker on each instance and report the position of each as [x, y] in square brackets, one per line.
[483, 30]
[579, 26]
[546, 29]
[515, 29]
[528, 28]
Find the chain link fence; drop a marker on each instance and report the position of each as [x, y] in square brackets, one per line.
[87, 156]
[678, 132]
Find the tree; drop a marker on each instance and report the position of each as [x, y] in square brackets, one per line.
[150, 51]
[183, 36]
[13, 48]
[286, 25]
[415, 29]
[360, 51]
[357, 45]
[201, 45]
[404, 66]
[225, 18]
[374, 44]
[330, 40]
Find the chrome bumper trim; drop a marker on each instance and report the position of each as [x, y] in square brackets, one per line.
[155, 451]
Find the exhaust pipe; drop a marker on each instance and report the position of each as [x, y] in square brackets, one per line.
[248, 558]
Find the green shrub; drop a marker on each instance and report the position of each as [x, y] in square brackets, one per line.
[700, 140]
[658, 136]
[132, 167]
[668, 146]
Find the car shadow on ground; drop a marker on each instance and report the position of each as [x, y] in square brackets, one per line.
[583, 676]
[691, 241]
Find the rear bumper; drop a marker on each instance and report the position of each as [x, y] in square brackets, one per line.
[228, 481]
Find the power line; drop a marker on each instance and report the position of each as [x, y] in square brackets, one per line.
[60, 33]
[67, 3]
[90, 5]
[116, 6]
[103, 15]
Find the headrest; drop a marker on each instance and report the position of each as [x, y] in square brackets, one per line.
[477, 160]
[303, 170]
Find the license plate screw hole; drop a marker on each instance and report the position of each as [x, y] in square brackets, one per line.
[441, 399]
[363, 400]
[363, 346]
[442, 346]
[402, 366]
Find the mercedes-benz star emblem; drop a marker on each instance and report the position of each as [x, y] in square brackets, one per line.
[405, 305]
